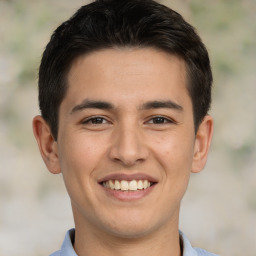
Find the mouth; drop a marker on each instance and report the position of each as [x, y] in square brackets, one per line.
[127, 185]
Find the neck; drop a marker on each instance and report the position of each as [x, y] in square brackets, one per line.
[91, 241]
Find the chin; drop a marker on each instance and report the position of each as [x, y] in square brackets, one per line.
[128, 228]
[131, 232]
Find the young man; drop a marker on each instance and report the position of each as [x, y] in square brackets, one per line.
[124, 91]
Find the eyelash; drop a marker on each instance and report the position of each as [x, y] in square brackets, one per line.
[101, 120]
[95, 118]
[164, 119]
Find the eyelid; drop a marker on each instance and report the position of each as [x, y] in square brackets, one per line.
[168, 119]
[90, 118]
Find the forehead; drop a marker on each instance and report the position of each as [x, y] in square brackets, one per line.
[112, 59]
[144, 73]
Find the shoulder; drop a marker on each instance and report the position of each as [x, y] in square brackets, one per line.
[188, 250]
[56, 254]
[201, 252]
[67, 245]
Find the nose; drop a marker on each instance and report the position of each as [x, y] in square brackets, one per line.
[128, 146]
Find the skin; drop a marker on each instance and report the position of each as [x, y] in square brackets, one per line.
[133, 136]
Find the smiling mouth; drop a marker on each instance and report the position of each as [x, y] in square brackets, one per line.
[125, 185]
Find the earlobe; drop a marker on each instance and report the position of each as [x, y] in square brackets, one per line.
[202, 144]
[47, 145]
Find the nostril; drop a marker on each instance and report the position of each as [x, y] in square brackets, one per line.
[127, 146]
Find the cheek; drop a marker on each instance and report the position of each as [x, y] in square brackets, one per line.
[79, 158]
[174, 153]
[174, 148]
[79, 152]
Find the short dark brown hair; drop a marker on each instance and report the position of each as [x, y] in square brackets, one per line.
[121, 23]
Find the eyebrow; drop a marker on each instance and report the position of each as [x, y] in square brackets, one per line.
[108, 106]
[161, 104]
[92, 104]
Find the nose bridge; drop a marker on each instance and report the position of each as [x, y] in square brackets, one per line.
[128, 146]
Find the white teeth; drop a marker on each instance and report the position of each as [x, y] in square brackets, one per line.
[125, 185]
[117, 185]
[140, 184]
[133, 185]
[111, 184]
[145, 184]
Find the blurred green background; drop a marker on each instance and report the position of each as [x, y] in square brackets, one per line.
[219, 210]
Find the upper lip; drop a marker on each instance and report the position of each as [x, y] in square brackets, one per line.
[128, 177]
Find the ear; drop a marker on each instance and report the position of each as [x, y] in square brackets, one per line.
[47, 145]
[202, 144]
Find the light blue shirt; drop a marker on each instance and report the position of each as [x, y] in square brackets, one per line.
[68, 250]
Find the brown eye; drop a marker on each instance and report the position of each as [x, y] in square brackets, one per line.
[95, 120]
[159, 120]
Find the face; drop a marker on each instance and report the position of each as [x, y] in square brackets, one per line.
[126, 141]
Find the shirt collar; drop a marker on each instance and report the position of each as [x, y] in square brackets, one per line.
[68, 250]
[188, 250]
[67, 246]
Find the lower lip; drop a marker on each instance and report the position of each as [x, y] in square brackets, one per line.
[128, 195]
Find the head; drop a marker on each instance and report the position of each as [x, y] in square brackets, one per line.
[106, 24]
[124, 90]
